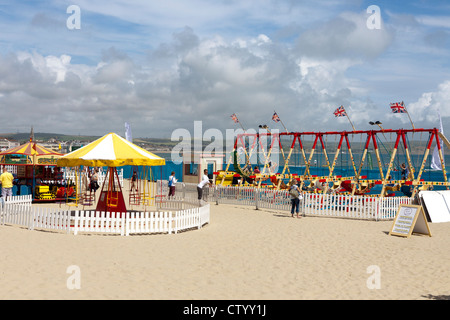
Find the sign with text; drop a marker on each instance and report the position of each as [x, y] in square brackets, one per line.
[410, 219]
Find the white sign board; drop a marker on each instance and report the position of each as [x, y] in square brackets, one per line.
[410, 218]
[437, 204]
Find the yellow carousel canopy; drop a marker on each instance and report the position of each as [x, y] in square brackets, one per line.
[30, 149]
[110, 150]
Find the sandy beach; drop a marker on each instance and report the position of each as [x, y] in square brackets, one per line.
[242, 254]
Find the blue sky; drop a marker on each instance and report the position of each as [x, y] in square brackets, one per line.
[163, 65]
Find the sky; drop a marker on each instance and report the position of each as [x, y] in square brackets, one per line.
[161, 65]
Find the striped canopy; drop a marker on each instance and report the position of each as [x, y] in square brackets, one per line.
[31, 149]
[110, 150]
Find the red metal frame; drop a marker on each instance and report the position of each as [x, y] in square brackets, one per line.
[371, 137]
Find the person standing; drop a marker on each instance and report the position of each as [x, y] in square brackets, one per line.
[405, 172]
[134, 182]
[6, 179]
[94, 181]
[202, 184]
[172, 182]
[294, 192]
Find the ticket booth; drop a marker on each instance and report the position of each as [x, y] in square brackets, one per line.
[194, 165]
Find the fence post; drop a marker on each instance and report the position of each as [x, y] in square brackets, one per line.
[30, 219]
[378, 205]
[216, 194]
[75, 224]
[256, 192]
[302, 204]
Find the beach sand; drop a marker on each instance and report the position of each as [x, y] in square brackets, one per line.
[242, 254]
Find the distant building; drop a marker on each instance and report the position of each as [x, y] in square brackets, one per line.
[54, 145]
[6, 144]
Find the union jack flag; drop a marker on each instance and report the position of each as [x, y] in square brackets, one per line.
[340, 112]
[275, 117]
[398, 107]
[234, 117]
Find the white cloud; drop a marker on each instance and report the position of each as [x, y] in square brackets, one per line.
[176, 64]
[426, 108]
[184, 80]
[346, 36]
[434, 21]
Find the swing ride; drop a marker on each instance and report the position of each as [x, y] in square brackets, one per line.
[401, 157]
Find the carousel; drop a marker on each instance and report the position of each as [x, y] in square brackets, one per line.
[34, 169]
[113, 151]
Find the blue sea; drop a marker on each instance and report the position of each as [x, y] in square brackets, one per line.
[296, 165]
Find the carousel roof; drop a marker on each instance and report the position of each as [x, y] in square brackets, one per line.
[30, 149]
[110, 150]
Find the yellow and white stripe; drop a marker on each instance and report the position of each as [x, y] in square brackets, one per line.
[110, 150]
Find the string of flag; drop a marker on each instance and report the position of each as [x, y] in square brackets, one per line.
[396, 107]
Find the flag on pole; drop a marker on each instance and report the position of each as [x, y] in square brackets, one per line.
[128, 132]
[340, 112]
[398, 107]
[236, 120]
[275, 117]
[435, 160]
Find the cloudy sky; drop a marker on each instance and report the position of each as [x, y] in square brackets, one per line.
[161, 65]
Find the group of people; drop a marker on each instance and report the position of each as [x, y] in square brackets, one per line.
[205, 181]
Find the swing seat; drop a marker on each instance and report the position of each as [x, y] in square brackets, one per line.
[88, 198]
[112, 199]
[61, 193]
[134, 198]
[70, 192]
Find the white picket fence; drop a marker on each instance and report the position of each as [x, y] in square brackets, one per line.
[22, 213]
[69, 174]
[24, 199]
[332, 205]
[185, 211]
[358, 207]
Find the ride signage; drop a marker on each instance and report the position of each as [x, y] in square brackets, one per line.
[410, 219]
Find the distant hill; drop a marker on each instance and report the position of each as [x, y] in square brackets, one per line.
[42, 136]
[23, 137]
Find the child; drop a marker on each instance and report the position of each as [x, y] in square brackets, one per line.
[172, 182]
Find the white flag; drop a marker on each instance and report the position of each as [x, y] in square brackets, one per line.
[128, 132]
[435, 160]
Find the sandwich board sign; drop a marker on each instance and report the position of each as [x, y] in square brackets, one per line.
[410, 219]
